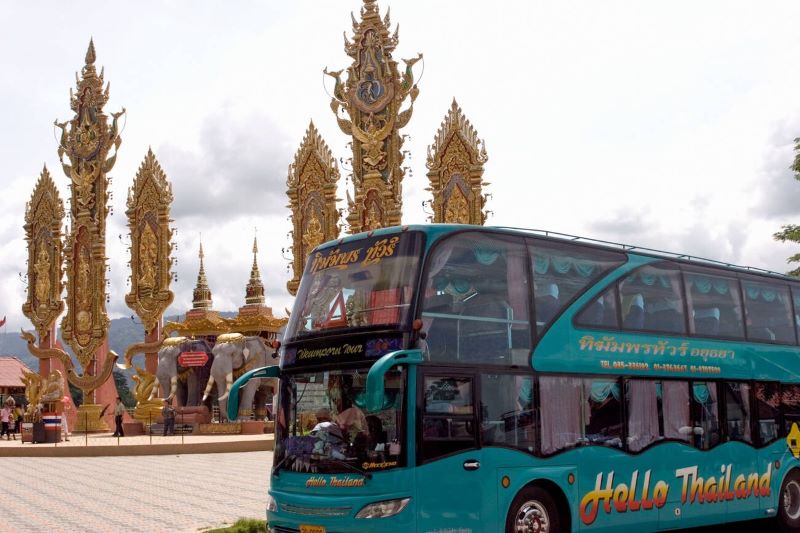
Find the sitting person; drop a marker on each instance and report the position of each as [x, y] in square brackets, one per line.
[352, 421]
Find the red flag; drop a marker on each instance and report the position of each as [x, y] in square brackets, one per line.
[3, 322]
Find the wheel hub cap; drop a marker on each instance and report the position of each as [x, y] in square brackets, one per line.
[532, 518]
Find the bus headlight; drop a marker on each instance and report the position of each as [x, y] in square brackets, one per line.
[383, 509]
[271, 505]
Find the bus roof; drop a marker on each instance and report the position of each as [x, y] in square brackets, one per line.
[438, 230]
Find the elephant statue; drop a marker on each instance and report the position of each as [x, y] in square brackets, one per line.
[169, 372]
[236, 353]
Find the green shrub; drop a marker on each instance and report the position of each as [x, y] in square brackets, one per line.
[243, 525]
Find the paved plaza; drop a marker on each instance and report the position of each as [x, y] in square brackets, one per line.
[148, 494]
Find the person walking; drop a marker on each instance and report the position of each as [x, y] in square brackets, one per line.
[6, 413]
[119, 410]
[65, 402]
[17, 420]
[168, 413]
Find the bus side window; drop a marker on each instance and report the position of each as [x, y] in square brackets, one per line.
[448, 422]
[676, 410]
[715, 307]
[601, 312]
[476, 304]
[769, 316]
[577, 411]
[768, 402]
[562, 271]
[643, 402]
[737, 411]
[651, 299]
[705, 414]
[507, 416]
[790, 407]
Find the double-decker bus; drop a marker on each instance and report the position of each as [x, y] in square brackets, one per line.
[443, 378]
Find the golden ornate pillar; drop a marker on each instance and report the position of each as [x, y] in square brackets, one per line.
[149, 201]
[368, 108]
[90, 145]
[44, 216]
[311, 187]
[455, 171]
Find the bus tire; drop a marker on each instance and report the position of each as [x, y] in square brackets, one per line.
[789, 502]
[533, 510]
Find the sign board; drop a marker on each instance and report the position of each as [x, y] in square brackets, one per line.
[187, 359]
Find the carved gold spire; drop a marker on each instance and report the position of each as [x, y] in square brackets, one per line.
[368, 108]
[89, 143]
[44, 215]
[254, 294]
[202, 294]
[148, 205]
[311, 187]
[455, 171]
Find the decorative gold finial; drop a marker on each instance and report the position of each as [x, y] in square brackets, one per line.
[202, 294]
[90, 54]
[254, 294]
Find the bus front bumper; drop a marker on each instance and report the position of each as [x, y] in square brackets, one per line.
[286, 513]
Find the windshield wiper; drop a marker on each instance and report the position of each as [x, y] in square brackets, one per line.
[347, 465]
[275, 468]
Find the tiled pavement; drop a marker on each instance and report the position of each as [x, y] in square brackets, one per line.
[148, 494]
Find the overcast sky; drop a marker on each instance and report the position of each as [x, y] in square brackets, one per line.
[661, 124]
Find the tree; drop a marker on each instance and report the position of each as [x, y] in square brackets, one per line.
[791, 232]
[123, 390]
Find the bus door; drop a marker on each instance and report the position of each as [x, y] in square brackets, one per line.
[449, 491]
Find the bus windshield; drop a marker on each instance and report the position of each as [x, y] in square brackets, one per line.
[366, 282]
[322, 427]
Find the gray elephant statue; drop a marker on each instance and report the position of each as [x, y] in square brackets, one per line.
[235, 352]
[184, 383]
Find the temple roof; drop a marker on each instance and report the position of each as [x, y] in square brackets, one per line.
[11, 370]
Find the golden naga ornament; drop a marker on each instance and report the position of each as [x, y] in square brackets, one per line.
[44, 215]
[311, 187]
[90, 145]
[368, 108]
[149, 201]
[455, 171]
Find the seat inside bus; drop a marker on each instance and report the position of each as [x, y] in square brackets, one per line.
[706, 321]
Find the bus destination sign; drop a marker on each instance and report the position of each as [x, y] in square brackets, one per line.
[340, 352]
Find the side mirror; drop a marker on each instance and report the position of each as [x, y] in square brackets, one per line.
[376, 375]
[233, 395]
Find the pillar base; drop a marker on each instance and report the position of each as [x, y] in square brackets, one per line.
[89, 419]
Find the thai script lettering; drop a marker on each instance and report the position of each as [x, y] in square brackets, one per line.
[609, 344]
[335, 258]
[637, 495]
[379, 250]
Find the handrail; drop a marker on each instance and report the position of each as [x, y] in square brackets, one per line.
[632, 248]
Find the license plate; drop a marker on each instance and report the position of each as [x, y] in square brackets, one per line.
[305, 528]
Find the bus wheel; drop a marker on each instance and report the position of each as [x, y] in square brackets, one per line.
[789, 503]
[533, 511]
